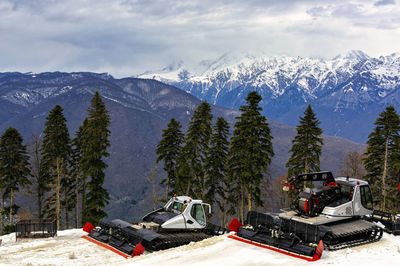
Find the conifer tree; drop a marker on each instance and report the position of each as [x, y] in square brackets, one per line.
[192, 157]
[307, 145]
[216, 160]
[14, 163]
[168, 150]
[250, 153]
[55, 153]
[382, 155]
[94, 148]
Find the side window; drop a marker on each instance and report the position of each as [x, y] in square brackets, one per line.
[177, 206]
[366, 197]
[197, 213]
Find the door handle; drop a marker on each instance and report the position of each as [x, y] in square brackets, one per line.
[189, 221]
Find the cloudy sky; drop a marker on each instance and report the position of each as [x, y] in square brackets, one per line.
[126, 37]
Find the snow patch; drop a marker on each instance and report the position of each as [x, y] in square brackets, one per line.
[164, 91]
[211, 80]
[68, 248]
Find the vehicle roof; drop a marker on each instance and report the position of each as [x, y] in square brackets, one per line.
[350, 181]
[182, 199]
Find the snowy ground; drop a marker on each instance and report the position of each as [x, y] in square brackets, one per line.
[68, 248]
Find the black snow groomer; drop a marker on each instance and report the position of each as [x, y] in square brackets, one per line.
[181, 221]
[335, 213]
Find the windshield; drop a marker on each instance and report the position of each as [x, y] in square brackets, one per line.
[347, 191]
[175, 207]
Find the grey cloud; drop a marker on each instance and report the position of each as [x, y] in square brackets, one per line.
[131, 36]
[385, 2]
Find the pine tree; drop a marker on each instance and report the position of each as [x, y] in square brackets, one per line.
[94, 148]
[192, 157]
[55, 153]
[215, 166]
[168, 150]
[382, 155]
[250, 154]
[14, 164]
[307, 145]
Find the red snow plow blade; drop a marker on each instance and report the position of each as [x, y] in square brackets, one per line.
[284, 244]
[117, 246]
[316, 256]
[107, 246]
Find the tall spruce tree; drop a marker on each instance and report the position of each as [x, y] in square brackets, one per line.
[216, 167]
[94, 149]
[250, 153]
[307, 145]
[381, 161]
[55, 154]
[168, 150]
[192, 157]
[14, 164]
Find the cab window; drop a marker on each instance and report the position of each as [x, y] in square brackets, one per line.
[177, 206]
[347, 192]
[366, 197]
[197, 213]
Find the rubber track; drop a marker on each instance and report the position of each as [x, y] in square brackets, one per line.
[171, 240]
[350, 234]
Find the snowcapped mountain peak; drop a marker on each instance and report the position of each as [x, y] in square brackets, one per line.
[351, 81]
[353, 55]
[174, 66]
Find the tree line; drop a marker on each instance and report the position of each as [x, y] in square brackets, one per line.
[232, 171]
[64, 175]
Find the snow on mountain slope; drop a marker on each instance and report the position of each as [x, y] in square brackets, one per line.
[353, 86]
[68, 248]
[279, 74]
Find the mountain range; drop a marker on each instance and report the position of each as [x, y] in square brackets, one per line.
[140, 109]
[347, 92]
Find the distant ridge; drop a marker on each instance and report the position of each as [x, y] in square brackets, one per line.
[347, 92]
[140, 109]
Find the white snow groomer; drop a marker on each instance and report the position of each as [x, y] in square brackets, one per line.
[334, 213]
[181, 221]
